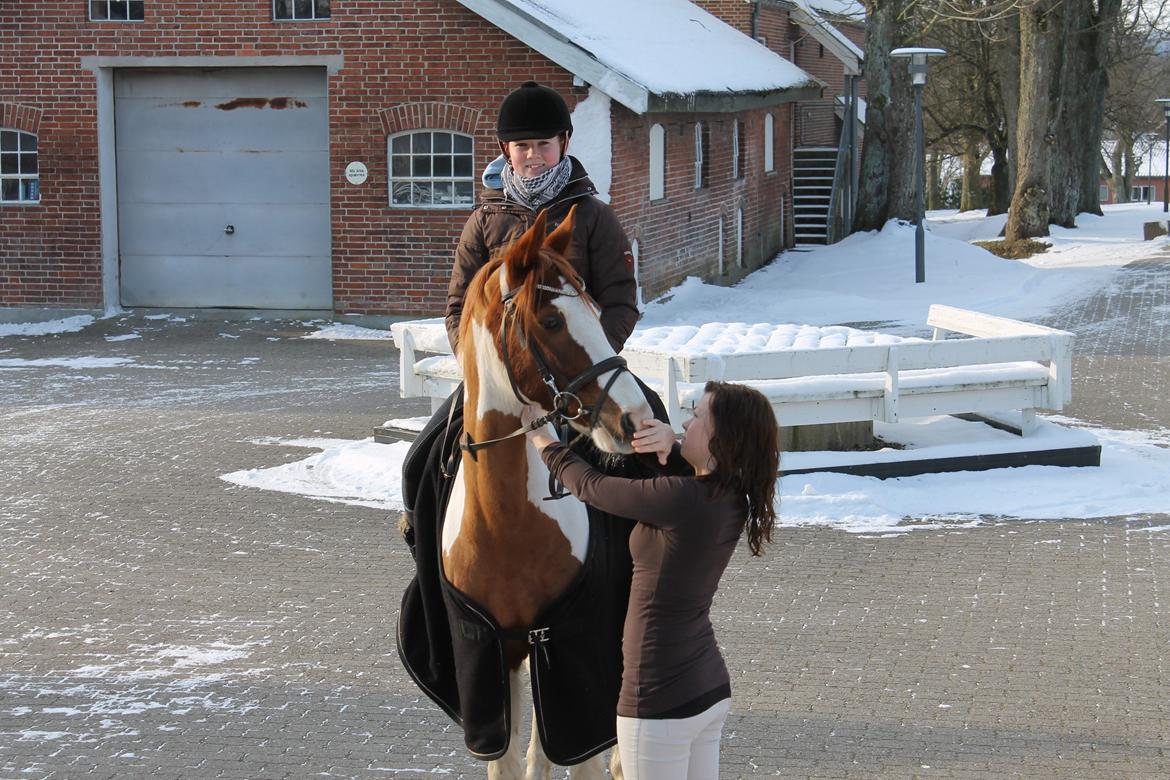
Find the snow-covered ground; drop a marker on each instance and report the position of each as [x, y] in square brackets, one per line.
[868, 278]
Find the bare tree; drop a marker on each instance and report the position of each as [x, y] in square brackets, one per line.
[886, 188]
[1041, 27]
[1139, 72]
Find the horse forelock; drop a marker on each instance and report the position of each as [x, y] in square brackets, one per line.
[484, 299]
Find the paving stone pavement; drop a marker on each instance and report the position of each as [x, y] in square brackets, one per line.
[157, 621]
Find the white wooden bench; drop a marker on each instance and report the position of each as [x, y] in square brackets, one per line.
[998, 366]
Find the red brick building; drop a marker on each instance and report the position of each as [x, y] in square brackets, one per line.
[307, 154]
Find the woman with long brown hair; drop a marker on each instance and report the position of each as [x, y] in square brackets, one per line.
[720, 483]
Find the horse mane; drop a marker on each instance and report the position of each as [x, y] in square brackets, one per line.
[483, 293]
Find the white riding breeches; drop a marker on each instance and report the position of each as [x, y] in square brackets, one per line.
[674, 748]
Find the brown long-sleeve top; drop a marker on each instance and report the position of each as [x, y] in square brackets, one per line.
[681, 545]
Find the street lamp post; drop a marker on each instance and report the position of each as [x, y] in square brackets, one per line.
[1165, 103]
[918, 57]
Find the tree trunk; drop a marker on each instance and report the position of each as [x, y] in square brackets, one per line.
[1028, 216]
[1122, 159]
[885, 190]
[1066, 122]
[933, 174]
[999, 194]
[1097, 81]
[971, 197]
[1005, 58]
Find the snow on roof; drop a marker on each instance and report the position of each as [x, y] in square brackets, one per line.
[653, 48]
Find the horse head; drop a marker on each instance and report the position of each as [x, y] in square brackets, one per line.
[535, 336]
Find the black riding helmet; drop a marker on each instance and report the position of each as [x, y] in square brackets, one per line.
[533, 111]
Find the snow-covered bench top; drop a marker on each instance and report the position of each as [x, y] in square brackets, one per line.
[713, 338]
[737, 338]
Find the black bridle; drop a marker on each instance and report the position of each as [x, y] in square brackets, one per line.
[567, 405]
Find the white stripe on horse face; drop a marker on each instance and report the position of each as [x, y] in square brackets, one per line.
[584, 323]
[495, 390]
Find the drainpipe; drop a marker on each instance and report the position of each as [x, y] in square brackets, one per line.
[756, 20]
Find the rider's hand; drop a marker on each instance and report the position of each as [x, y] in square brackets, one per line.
[654, 436]
[540, 438]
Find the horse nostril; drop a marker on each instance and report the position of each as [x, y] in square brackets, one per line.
[628, 426]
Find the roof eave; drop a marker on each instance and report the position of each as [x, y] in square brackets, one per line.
[730, 102]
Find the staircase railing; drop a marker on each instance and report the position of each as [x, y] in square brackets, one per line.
[843, 197]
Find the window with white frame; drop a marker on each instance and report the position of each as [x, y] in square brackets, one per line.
[769, 143]
[657, 162]
[431, 169]
[701, 148]
[117, 10]
[297, 10]
[19, 177]
[737, 149]
[1141, 192]
[739, 237]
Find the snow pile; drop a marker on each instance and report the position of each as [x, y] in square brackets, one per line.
[339, 332]
[66, 325]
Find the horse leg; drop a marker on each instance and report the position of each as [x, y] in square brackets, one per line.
[539, 767]
[510, 766]
[593, 769]
[615, 764]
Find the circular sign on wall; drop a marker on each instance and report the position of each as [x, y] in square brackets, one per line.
[356, 173]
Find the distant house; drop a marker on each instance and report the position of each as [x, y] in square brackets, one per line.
[318, 155]
[1149, 182]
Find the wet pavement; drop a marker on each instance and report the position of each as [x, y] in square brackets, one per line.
[157, 621]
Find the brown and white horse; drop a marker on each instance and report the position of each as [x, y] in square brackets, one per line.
[504, 546]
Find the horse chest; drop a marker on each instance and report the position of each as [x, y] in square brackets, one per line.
[505, 547]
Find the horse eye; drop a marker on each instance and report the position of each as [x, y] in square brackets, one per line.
[551, 322]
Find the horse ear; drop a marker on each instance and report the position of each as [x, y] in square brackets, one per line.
[558, 240]
[525, 253]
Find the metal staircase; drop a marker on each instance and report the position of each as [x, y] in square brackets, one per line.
[813, 170]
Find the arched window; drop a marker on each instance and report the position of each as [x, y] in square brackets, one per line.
[431, 169]
[702, 145]
[19, 177]
[657, 162]
[739, 237]
[737, 150]
[769, 142]
[636, 251]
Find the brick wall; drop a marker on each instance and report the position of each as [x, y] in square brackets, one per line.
[400, 59]
[736, 13]
[430, 64]
[678, 236]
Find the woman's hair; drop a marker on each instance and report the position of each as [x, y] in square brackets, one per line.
[745, 441]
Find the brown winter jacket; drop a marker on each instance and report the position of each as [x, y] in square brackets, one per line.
[599, 251]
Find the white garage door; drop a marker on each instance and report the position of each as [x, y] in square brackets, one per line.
[223, 188]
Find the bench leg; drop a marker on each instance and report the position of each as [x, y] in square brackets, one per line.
[1029, 423]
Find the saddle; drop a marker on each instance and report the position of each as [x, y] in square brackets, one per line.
[454, 650]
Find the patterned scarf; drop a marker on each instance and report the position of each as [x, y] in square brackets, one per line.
[540, 189]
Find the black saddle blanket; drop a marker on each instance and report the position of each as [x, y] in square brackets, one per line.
[454, 650]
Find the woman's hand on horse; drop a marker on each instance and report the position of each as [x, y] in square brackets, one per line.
[540, 437]
[654, 437]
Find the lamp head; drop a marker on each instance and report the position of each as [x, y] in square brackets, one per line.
[917, 57]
